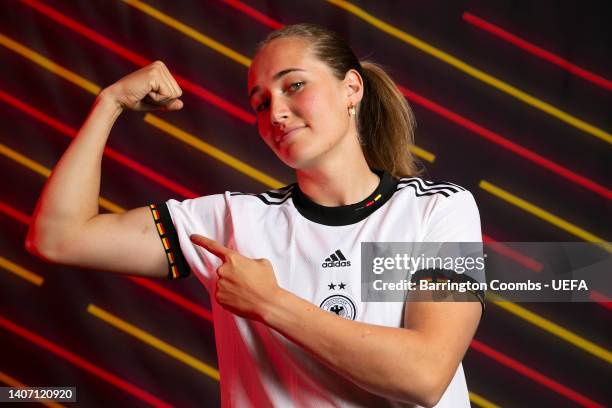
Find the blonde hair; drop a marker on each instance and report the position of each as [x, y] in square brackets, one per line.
[385, 121]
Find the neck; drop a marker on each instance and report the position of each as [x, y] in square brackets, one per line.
[338, 183]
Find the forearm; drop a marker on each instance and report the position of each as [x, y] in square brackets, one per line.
[391, 362]
[70, 196]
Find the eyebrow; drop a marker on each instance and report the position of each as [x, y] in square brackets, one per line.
[276, 77]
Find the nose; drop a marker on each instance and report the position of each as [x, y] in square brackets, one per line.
[279, 112]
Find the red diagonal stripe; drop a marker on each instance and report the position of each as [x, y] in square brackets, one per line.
[16, 214]
[601, 299]
[113, 154]
[250, 11]
[139, 60]
[537, 51]
[513, 254]
[83, 363]
[507, 144]
[173, 297]
[146, 283]
[534, 375]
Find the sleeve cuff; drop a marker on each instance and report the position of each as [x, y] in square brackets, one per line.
[177, 265]
[442, 275]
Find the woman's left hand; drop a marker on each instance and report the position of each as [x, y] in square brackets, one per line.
[244, 285]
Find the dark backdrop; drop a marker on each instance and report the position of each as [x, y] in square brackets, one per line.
[49, 336]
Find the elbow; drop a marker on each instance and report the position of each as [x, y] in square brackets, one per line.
[41, 245]
[428, 392]
[434, 391]
[33, 246]
[431, 399]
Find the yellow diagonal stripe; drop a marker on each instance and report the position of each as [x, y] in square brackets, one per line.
[422, 153]
[166, 127]
[7, 379]
[481, 401]
[45, 172]
[153, 341]
[24, 161]
[21, 272]
[473, 72]
[49, 65]
[551, 327]
[228, 52]
[543, 214]
[212, 151]
[189, 31]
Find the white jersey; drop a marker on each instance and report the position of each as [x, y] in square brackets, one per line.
[315, 252]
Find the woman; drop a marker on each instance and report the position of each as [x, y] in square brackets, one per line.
[282, 267]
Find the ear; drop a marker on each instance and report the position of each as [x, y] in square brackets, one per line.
[353, 83]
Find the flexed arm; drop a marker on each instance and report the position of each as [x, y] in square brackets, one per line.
[66, 226]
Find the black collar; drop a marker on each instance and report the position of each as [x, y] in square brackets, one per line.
[346, 214]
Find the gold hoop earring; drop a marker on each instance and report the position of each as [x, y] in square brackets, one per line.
[352, 111]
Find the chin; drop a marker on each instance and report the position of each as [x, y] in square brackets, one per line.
[298, 157]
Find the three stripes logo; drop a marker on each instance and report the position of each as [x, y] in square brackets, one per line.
[336, 260]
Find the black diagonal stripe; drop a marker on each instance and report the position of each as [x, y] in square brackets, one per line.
[425, 186]
[333, 257]
[263, 198]
[340, 255]
[277, 193]
[327, 260]
[419, 189]
[430, 184]
[280, 193]
[418, 194]
[418, 186]
[433, 186]
[443, 183]
[426, 191]
[278, 196]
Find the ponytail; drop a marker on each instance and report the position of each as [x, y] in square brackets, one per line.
[385, 122]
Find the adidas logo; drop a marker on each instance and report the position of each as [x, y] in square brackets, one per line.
[335, 260]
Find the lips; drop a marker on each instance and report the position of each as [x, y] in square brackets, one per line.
[287, 132]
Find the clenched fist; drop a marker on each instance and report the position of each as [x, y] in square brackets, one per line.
[149, 88]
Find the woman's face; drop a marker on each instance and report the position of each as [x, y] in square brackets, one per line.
[302, 108]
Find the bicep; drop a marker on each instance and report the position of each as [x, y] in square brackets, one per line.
[126, 243]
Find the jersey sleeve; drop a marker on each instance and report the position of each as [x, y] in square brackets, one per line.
[455, 219]
[177, 220]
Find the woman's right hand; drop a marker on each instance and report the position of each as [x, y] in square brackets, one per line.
[149, 88]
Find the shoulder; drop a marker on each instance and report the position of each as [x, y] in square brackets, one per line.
[230, 201]
[195, 208]
[274, 197]
[432, 200]
[446, 211]
[419, 187]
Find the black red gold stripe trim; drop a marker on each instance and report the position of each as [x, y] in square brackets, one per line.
[346, 214]
[443, 275]
[177, 265]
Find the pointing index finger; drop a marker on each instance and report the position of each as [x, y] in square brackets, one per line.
[210, 245]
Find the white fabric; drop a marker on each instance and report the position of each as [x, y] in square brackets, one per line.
[259, 367]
